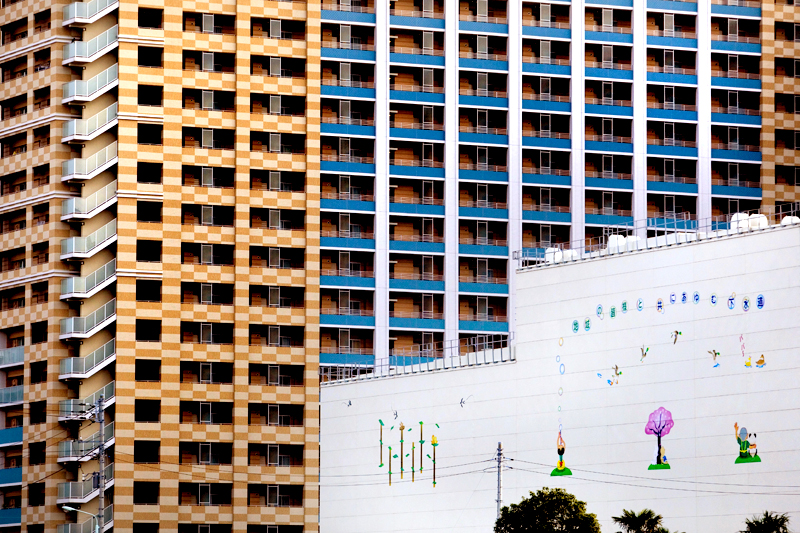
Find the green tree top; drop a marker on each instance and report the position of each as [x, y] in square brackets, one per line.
[547, 511]
[767, 523]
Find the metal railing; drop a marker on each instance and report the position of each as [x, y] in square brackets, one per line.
[483, 18]
[84, 447]
[427, 315]
[348, 121]
[483, 55]
[84, 89]
[493, 280]
[414, 88]
[86, 49]
[85, 10]
[416, 14]
[12, 356]
[483, 129]
[416, 238]
[736, 183]
[75, 408]
[417, 51]
[672, 33]
[347, 196]
[483, 92]
[482, 241]
[416, 276]
[347, 234]
[82, 365]
[83, 206]
[86, 284]
[345, 83]
[350, 8]
[544, 208]
[608, 29]
[85, 127]
[608, 175]
[735, 38]
[670, 179]
[481, 317]
[545, 97]
[12, 394]
[607, 138]
[608, 211]
[545, 24]
[85, 245]
[430, 126]
[78, 490]
[84, 167]
[346, 311]
[485, 167]
[736, 146]
[427, 163]
[671, 142]
[82, 325]
[545, 134]
[609, 65]
[546, 171]
[740, 74]
[671, 106]
[608, 101]
[731, 110]
[415, 201]
[88, 526]
[348, 45]
[348, 159]
[347, 273]
[482, 204]
[672, 70]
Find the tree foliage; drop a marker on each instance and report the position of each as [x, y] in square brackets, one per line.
[767, 523]
[645, 521]
[547, 511]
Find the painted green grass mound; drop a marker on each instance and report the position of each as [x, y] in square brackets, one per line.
[565, 472]
[658, 467]
[753, 459]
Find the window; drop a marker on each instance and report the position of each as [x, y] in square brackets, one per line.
[39, 332]
[148, 370]
[146, 451]
[148, 211]
[148, 251]
[150, 56]
[149, 134]
[151, 18]
[36, 494]
[148, 330]
[39, 372]
[36, 453]
[143, 527]
[149, 172]
[145, 493]
[151, 95]
[38, 412]
[148, 290]
[146, 410]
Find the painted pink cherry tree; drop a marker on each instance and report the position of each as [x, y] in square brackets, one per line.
[659, 424]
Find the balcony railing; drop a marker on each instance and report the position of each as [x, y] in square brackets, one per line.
[347, 234]
[85, 128]
[483, 129]
[735, 38]
[608, 175]
[484, 204]
[416, 238]
[86, 10]
[348, 121]
[348, 273]
[75, 168]
[673, 33]
[671, 142]
[88, 526]
[427, 315]
[485, 167]
[84, 408]
[606, 138]
[544, 208]
[9, 395]
[481, 317]
[609, 65]
[482, 241]
[416, 276]
[740, 74]
[347, 83]
[348, 159]
[545, 97]
[483, 279]
[672, 70]
[85, 89]
[350, 8]
[84, 365]
[430, 126]
[85, 245]
[672, 106]
[483, 55]
[83, 448]
[735, 146]
[347, 196]
[608, 29]
[78, 286]
[346, 311]
[482, 18]
[731, 110]
[546, 134]
[416, 14]
[83, 325]
[545, 24]
[736, 183]
[483, 92]
[415, 88]
[670, 179]
[415, 200]
[12, 356]
[79, 490]
[546, 171]
[82, 206]
[86, 49]
[608, 101]
[609, 211]
[416, 51]
[348, 46]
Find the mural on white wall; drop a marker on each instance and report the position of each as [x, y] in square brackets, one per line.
[745, 445]
[402, 457]
[561, 467]
[659, 424]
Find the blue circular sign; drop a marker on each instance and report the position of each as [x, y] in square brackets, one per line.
[746, 304]
[696, 298]
[684, 297]
[760, 301]
[713, 299]
[731, 301]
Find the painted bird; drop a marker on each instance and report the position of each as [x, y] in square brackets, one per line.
[714, 353]
[464, 400]
[747, 363]
[760, 363]
[348, 403]
[644, 353]
[675, 335]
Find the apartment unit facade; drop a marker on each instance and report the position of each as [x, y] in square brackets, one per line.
[160, 266]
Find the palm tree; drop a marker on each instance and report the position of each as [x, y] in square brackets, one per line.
[767, 523]
[645, 522]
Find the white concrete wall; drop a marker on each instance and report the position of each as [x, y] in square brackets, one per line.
[603, 426]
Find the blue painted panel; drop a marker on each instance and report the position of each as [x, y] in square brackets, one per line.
[608, 220]
[602, 183]
[684, 188]
[538, 68]
[546, 179]
[347, 205]
[544, 105]
[437, 61]
[678, 151]
[599, 146]
[491, 288]
[737, 83]
[339, 166]
[609, 37]
[347, 16]
[468, 325]
[724, 190]
[609, 73]
[417, 323]
[662, 77]
[409, 360]
[534, 253]
[608, 110]
[346, 359]
[428, 135]
[727, 46]
[416, 209]
[730, 118]
[671, 223]
[737, 11]
[671, 114]
[347, 320]
[546, 216]
[416, 285]
[350, 55]
[482, 138]
[545, 142]
[482, 64]
[735, 154]
[417, 22]
[347, 129]
[346, 281]
[342, 242]
[347, 92]
[425, 247]
[672, 6]
[10, 436]
[479, 249]
[482, 212]
[621, 3]
[483, 101]
[420, 172]
[672, 42]
[482, 175]
[9, 517]
[482, 27]
[409, 96]
[549, 33]
[11, 476]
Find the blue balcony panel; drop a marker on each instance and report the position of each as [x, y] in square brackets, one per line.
[609, 110]
[414, 59]
[670, 5]
[483, 212]
[10, 436]
[746, 192]
[735, 83]
[619, 148]
[592, 72]
[547, 33]
[348, 55]
[608, 220]
[346, 281]
[546, 105]
[411, 96]
[482, 175]
[495, 327]
[348, 16]
[663, 77]
[546, 216]
[482, 138]
[676, 151]
[417, 172]
[483, 27]
[731, 46]
[546, 179]
[343, 166]
[546, 142]
[347, 129]
[482, 101]
[415, 323]
[348, 92]
[736, 11]
[730, 118]
[407, 133]
[11, 476]
[347, 205]
[488, 288]
[671, 42]
[620, 3]
[671, 114]
[482, 64]
[606, 183]
[347, 320]
[437, 24]
[483, 249]
[409, 360]
[533, 253]
[681, 188]
[541, 68]
[416, 209]
[671, 223]
[344, 242]
[11, 517]
[609, 37]
[415, 285]
[735, 154]
[423, 247]
[346, 359]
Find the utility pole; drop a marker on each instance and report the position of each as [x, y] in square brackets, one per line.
[100, 416]
[499, 477]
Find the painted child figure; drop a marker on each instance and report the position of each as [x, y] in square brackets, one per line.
[561, 467]
[745, 446]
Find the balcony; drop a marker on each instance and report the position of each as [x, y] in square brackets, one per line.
[85, 247]
[86, 130]
[346, 316]
[11, 516]
[85, 449]
[347, 239]
[89, 51]
[416, 205]
[79, 492]
[12, 356]
[421, 16]
[85, 169]
[84, 367]
[737, 8]
[88, 526]
[91, 284]
[88, 12]
[10, 436]
[12, 395]
[84, 327]
[84, 409]
[482, 322]
[83, 208]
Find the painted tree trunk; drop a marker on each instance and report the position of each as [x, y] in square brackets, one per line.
[658, 455]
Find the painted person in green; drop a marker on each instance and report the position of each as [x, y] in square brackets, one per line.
[741, 438]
